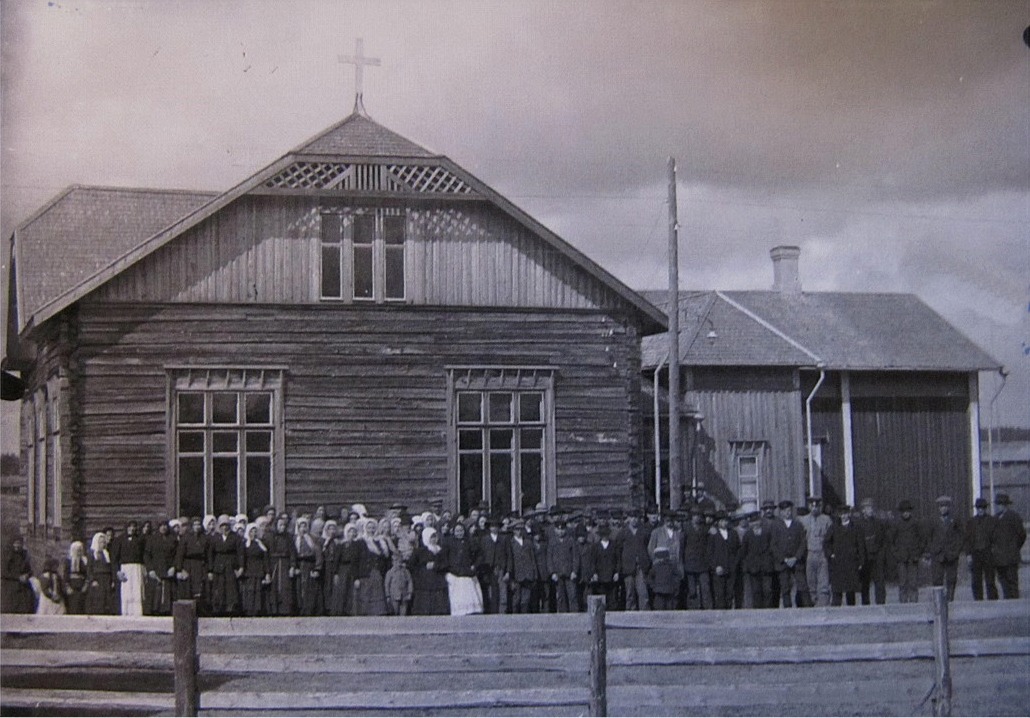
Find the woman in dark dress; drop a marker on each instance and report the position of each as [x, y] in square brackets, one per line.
[282, 556]
[75, 584]
[256, 573]
[463, 590]
[224, 569]
[346, 568]
[159, 563]
[330, 564]
[370, 594]
[430, 578]
[101, 596]
[17, 591]
[309, 569]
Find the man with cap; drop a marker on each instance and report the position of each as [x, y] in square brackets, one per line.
[907, 541]
[1009, 537]
[944, 546]
[979, 539]
[523, 567]
[723, 548]
[874, 570]
[789, 545]
[494, 567]
[601, 565]
[635, 562]
[695, 561]
[817, 568]
[844, 547]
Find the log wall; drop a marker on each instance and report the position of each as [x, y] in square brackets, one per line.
[365, 396]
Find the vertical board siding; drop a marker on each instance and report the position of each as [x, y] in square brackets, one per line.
[365, 396]
[265, 250]
[750, 405]
[912, 448]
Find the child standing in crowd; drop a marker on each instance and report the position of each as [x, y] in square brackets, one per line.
[399, 587]
[75, 584]
[664, 578]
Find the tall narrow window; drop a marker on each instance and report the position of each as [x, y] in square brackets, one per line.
[363, 254]
[503, 420]
[748, 460]
[227, 440]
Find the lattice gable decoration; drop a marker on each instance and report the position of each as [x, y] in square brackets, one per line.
[368, 177]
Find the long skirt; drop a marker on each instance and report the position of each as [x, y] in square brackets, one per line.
[340, 598]
[45, 606]
[17, 597]
[225, 593]
[280, 593]
[252, 593]
[465, 595]
[370, 597]
[132, 589]
[75, 602]
[430, 602]
[309, 590]
[159, 596]
[101, 600]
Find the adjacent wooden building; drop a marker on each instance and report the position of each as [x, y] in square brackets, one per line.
[361, 320]
[878, 387]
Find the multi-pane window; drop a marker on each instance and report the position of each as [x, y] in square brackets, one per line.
[362, 254]
[41, 418]
[747, 464]
[227, 438]
[503, 445]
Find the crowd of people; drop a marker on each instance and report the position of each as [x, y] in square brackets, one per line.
[548, 560]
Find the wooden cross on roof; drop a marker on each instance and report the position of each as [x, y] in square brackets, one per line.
[359, 61]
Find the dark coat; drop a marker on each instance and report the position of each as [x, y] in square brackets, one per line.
[875, 535]
[128, 549]
[523, 561]
[980, 535]
[17, 596]
[633, 551]
[945, 540]
[907, 540]
[563, 557]
[695, 548]
[756, 555]
[722, 552]
[493, 555]
[601, 561]
[1009, 537]
[845, 550]
[664, 577]
[788, 542]
[457, 557]
[100, 596]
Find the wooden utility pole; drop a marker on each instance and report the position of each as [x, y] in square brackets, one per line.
[675, 443]
[598, 656]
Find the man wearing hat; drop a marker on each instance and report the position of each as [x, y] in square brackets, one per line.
[874, 570]
[723, 549]
[601, 565]
[789, 545]
[668, 536]
[1009, 537]
[817, 568]
[907, 542]
[494, 567]
[523, 567]
[979, 538]
[944, 547]
[844, 547]
[695, 561]
[635, 562]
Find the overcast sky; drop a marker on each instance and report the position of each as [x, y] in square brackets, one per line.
[889, 140]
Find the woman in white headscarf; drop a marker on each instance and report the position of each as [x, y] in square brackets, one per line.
[430, 578]
[309, 569]
[373, 557]
[75, 583]
[101, 577]
[256, 572]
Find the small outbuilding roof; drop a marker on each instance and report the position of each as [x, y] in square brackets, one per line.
[837, 330]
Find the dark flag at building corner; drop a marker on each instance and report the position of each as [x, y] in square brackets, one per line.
[12, 388]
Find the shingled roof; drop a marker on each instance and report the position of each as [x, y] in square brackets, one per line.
[86, 236]
[83, 230]
[839, 330]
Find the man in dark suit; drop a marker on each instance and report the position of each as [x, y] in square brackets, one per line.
[907, 540]
[494, 564]
[634, 562]
[601, 565]
[874, 570]
[1009, 537]
[979, 541]
[789, 545]
[523, 567]
[944, 546]
[723, 546]
[695, 561]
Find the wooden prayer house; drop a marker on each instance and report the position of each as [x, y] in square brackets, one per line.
[360, 321]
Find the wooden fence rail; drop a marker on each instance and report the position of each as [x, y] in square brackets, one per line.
[670, 663]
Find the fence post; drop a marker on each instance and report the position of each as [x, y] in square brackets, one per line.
[941, 653]
[184, 638]
[598, 657]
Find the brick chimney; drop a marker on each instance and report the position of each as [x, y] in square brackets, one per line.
[785, 269]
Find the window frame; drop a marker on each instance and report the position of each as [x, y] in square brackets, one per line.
[209, 382]
[346, 249]
[493, 381]
[741, 451]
